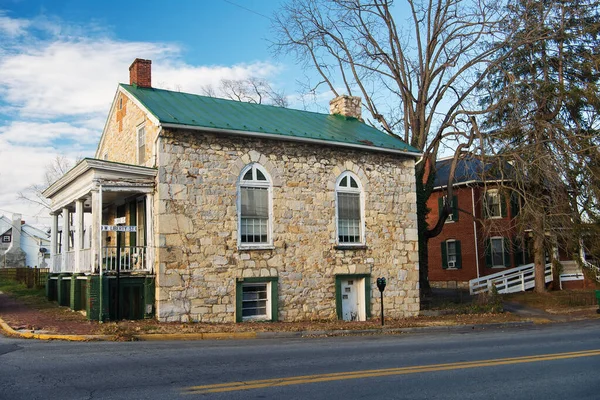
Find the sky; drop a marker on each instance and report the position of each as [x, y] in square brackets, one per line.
[61, 61]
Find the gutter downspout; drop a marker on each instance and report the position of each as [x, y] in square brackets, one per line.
[475, 232]
[101, 311]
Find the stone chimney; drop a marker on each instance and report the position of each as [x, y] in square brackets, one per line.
[348, 106]
[14, 255]
[15, 243]
[140, 73]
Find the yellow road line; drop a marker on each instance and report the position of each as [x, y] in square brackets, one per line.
[297, 380]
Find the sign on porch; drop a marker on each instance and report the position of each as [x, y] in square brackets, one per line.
[119, 228]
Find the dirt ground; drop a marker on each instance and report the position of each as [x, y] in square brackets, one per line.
[50, 318]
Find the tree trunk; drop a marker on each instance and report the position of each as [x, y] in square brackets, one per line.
[539, 260]
[423, 192]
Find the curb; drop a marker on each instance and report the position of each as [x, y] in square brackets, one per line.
[46, 336]
[263, 335]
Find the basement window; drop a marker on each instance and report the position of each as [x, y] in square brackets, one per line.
[256, 299]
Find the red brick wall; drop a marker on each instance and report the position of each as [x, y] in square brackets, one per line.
[459, 230]
[140, 73]
[463, 230]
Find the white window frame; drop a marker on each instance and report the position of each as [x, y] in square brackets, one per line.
[264, 317]
[141, 135]
[493, 193]
[268, 184]
[4, 239]
[448, 261]
[348, 189]
[501, 239]
[449, 218]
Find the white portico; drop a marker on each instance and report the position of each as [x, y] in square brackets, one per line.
[95, 193]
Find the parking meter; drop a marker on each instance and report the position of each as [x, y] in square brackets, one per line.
[381, 286]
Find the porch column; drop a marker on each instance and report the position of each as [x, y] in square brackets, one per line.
[149, 233]
[54, 241]
[78, 239]
[95, 231]
[65, 238]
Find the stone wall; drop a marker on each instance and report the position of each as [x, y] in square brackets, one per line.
[119, 141]
[198, 259]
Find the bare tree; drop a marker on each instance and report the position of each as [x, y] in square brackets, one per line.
[251, 90]
[54, 170]
[415, 72]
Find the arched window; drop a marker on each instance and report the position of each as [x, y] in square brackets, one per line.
[349, 210]
[254, 206]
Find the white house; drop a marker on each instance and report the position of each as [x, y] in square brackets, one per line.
[21, 244]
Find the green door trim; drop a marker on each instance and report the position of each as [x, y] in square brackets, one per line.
[338, 293]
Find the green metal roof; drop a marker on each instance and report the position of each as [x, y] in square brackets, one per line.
[209, 112]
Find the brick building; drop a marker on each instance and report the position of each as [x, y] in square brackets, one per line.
[479, 237]
[204, 209]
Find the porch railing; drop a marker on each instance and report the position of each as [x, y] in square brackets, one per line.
[594, 268]
[129, 258]
[510, 281]
[56, 265]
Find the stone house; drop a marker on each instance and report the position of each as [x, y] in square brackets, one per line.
[204, 209]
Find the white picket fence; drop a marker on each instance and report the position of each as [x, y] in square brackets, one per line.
[510, 281]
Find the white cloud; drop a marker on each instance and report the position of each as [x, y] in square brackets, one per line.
[43, 134]
[57, 81]
[12, 26]
[64, 78]
[194, 79]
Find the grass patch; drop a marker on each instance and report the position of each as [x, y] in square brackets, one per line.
[28, 296]
[563, 299]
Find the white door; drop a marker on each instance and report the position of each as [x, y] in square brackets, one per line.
[353, 299]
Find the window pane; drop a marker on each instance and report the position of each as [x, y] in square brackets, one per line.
[254, 300]
[344, 182]
[253, 230]
[349, 218]
[255, 202]
[493, 204]
[248, 175]
[451, 247]
[260, 176]
[353, 183]
[497, 252]
[349, 206]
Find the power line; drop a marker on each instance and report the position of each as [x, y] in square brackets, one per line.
[247, 9]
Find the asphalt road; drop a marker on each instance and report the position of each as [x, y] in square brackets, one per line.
[536, 362]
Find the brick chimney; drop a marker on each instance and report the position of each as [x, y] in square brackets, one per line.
[140, 73]
[348, 106]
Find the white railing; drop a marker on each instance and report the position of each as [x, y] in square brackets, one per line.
[129, 258]
[56, 261]
[69, 262]
[86, 260]
[510, 281]
[593, 268]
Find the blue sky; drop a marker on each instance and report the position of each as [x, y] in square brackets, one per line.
[61, 61]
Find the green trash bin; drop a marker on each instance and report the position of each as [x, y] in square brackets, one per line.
[598, 300]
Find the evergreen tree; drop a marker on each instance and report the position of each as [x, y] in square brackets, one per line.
[544, 116]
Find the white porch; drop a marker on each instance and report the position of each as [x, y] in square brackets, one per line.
[97, 193]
